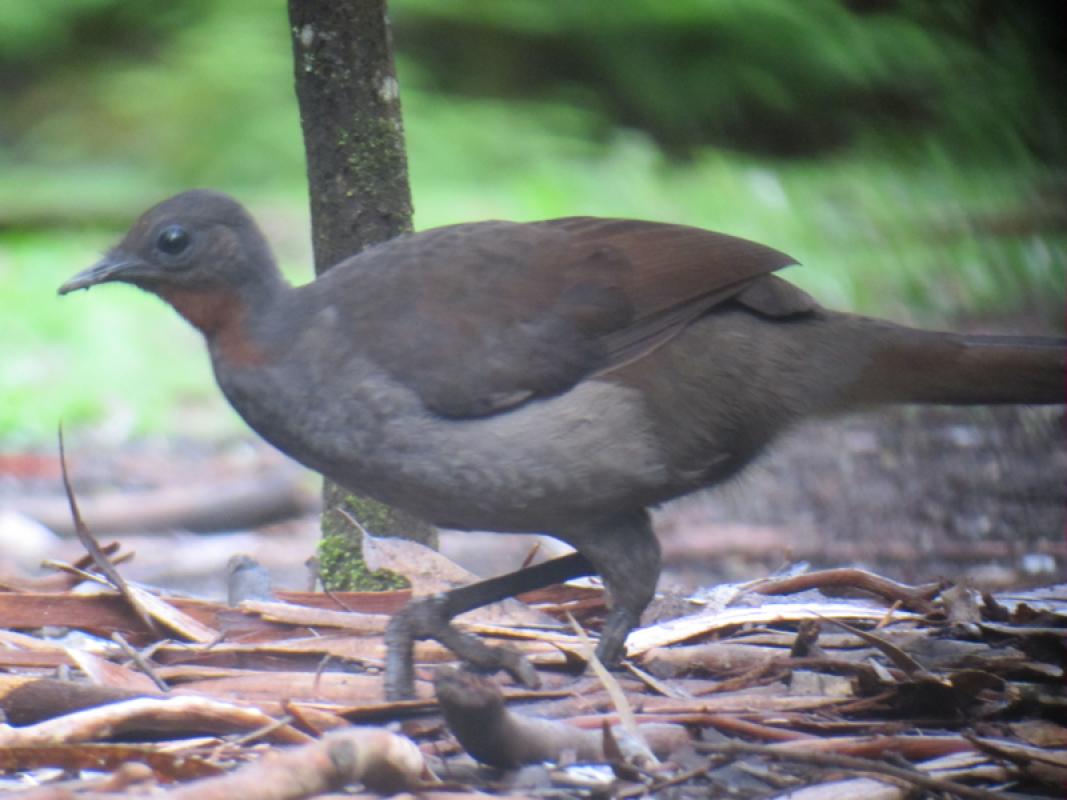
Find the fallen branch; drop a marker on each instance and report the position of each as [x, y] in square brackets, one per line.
[226, 506]
[143, 715]
[379, 760]
[917, 598]
[474, 711]
[374, 757]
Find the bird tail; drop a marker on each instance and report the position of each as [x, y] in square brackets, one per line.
[916, 366]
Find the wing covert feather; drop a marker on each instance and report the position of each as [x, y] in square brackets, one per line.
[478, 318]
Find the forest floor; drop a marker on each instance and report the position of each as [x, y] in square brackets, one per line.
[800, 682]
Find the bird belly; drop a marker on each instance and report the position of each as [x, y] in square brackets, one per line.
[585, 454]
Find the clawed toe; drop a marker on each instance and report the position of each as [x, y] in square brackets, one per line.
[428, 618]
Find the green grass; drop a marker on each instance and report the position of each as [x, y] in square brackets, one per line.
[880, 233]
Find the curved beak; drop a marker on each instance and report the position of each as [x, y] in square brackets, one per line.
[112, 267]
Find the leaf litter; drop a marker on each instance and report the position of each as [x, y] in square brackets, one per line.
[773, 688]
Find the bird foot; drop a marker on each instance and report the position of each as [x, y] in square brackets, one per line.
[429, 618]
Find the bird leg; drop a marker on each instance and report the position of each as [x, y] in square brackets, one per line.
[625, 554]
[430, 618]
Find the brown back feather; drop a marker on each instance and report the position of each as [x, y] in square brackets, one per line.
[481, 317]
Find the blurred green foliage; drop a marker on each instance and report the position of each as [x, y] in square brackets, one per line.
[911, 154]
[200, 89]
[774, 76]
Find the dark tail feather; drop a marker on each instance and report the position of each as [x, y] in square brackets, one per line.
[914, 366]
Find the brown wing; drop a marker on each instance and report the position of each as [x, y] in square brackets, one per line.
[675, 274]
[481, 317]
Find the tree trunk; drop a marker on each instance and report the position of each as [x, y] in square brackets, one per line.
[357, 177]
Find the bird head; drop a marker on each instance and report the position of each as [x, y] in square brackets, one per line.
[196, 241]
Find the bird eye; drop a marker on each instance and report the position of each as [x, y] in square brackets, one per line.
[173, 239]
